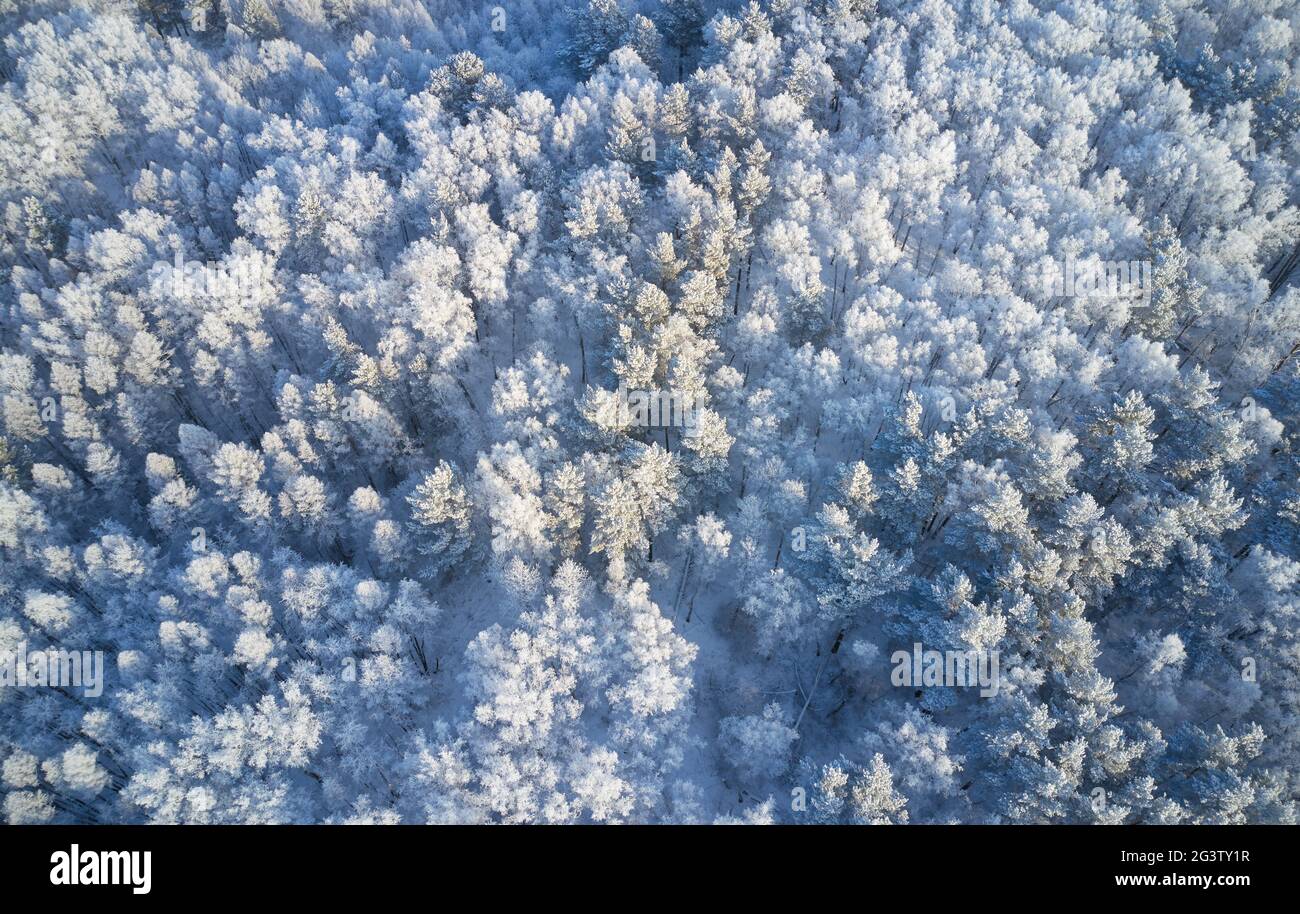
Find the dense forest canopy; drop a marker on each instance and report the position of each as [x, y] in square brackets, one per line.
[432, 411]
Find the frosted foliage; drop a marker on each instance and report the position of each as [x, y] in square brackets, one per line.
[649, 411]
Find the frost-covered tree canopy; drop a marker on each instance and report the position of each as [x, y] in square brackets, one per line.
[435, 411]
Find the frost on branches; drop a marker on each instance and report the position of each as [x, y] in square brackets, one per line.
[344, 349]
